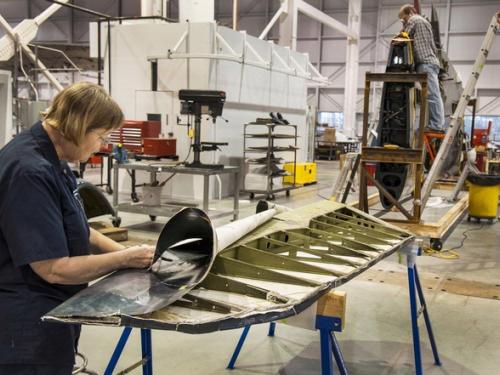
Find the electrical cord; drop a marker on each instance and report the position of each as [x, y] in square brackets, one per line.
[441, 254]
[159, 165]
[451, 254]
[464, 236]
[178, 164]
[191, 140]
[322, 197]
[189, 152]
[167, 179]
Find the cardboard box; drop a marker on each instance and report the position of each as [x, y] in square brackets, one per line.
[329, 135]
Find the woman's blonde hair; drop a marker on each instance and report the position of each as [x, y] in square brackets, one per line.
[82, 108]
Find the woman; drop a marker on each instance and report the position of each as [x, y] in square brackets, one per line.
[45, 241]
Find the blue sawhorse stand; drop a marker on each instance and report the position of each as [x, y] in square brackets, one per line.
[328, 325]
[415, 288]
[146, 345]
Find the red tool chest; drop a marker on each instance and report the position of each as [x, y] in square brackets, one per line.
[160, 146]
[132, 134]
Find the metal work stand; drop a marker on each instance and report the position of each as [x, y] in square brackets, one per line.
[155, 168]
[269, 153]
[398, 155]
[416, 288]
[328, 325]
[147, 352]
[241, 341]
[106, 184]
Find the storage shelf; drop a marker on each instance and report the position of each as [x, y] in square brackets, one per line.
[140, 208]
[275, 136]
[274, 149]
[275, 132]
[264, 162]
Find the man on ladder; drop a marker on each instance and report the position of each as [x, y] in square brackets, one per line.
[425, 55]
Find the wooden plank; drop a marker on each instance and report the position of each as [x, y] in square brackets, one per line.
[333, 304]
[417, 192]
[372, 200]
[116, 234]
[457, 209]
[435, 229]
[387, 155]
[397, 77]
[350, 182]
[445, 185]
[387, 194]
[420, 230]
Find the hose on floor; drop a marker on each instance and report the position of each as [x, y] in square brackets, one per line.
[451, 254]
[441, 254]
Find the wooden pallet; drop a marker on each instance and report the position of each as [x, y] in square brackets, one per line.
[439, 231]
[436, 232]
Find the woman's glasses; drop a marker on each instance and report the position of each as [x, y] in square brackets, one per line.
[104, 140]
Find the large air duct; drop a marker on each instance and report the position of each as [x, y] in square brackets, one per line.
[153, 8]
[188, 227]
[196, 11]
[232, 232]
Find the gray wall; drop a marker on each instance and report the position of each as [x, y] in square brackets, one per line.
[463, 24]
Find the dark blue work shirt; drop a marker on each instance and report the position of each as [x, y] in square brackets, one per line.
[40, 219]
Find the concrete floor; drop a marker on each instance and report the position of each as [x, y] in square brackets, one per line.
[377, 336]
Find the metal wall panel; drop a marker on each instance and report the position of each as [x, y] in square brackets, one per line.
[468, 23]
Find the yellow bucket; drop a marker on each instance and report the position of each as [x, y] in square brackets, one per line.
[483, 196]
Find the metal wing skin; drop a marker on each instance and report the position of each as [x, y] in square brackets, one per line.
[282, 266]
[184, 254]
[127, 292]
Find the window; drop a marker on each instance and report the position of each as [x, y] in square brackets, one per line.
[333, 119]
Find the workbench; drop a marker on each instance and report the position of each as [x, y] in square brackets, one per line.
[167, 210]
[329, 150]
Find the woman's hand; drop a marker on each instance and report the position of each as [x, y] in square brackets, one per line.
[85, 268]
[140, 256]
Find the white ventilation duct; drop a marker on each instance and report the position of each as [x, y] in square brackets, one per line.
[196, 11]
[154, 8]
